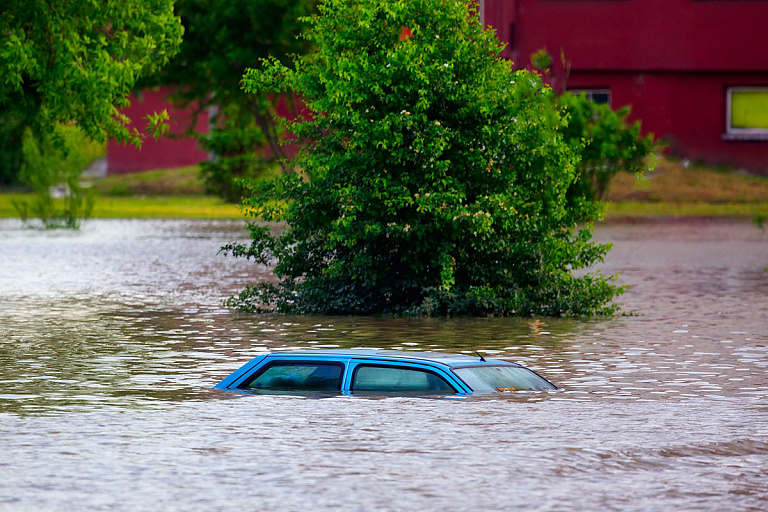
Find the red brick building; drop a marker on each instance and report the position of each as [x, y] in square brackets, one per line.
[694, 71]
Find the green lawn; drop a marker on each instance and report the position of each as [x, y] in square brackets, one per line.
[185, 207]
[675, 190]
[181, 181]
[166, 193]
[645, 210]
[672, 190]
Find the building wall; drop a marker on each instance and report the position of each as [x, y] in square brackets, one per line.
[180, 151]
[163, 153]
[671, 60]
[675, 35]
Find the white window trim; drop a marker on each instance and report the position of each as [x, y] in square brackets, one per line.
[741, 133]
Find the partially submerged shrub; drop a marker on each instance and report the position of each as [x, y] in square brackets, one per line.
[53, 168]
[438, 176]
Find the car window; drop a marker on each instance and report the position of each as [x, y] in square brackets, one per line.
[299, 376]
[372, 378]
[502, 378]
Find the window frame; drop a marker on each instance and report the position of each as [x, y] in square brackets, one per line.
[382, 364]
[589, 91]
[732, 133]
[245, 384]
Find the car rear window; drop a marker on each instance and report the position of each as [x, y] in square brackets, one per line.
[371, 378]
[502, 378]
[298, 377]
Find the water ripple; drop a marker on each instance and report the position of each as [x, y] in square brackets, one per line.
[111, 339]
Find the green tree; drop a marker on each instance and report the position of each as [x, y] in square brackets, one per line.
[607, 142]
[221, 39]
[76, 62]
[438, 176]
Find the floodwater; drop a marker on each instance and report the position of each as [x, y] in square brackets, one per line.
[111, 339]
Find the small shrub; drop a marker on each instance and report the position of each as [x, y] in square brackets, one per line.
[237, 153]
[606, 141]
[52, 168]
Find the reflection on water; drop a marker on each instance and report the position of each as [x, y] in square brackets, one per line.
[111, 338]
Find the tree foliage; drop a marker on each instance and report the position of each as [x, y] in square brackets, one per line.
[67, 61]
[11, 136]
[607, 142]
[222, 38]
[434, 181]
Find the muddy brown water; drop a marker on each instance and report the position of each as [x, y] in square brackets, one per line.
[111, 338]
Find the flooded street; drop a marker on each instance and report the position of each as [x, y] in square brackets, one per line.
[111, 339]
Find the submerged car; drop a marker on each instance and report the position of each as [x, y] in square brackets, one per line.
[380, 372]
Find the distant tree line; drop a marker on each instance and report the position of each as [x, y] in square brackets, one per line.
[222, 38]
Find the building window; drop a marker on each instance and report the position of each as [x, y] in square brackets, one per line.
[747, 113]
[596, 95]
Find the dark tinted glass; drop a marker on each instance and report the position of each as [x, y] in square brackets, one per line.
[299, 377]
[392, 379]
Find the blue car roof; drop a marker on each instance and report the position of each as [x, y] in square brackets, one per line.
[447, 359]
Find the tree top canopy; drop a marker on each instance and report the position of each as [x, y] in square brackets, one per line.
[77, 61]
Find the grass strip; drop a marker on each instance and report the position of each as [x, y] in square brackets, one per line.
[206, 207]
[657, 210]
[158, 207]
[671, 190]
[182, 181]
[185, 207]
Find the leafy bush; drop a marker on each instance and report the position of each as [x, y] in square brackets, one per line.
[607, 143]
[52, 167]
[438, 176]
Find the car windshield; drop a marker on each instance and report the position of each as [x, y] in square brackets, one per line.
[502, 378]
